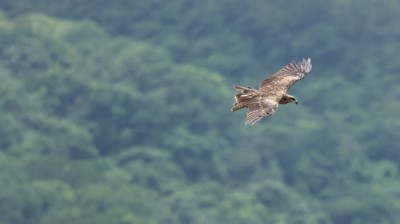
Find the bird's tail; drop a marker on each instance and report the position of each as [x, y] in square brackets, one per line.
[243, 98]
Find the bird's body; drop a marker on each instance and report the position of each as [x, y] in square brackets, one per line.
[272, 92]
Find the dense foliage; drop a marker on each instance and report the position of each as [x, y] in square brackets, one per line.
[118, 112]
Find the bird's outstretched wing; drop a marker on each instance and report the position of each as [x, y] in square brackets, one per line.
[283, 79]
[260, 108]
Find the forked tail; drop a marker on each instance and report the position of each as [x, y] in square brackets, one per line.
[243, 98]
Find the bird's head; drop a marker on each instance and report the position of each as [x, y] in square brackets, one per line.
[288, 99]
[293, 99]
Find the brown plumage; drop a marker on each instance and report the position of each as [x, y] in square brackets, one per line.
[272, 91]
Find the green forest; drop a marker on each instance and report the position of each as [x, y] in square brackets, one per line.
[118, 112]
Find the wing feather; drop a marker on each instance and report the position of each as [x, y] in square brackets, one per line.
[286, 76]
[257, 110]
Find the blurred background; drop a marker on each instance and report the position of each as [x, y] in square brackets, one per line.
[119, 112]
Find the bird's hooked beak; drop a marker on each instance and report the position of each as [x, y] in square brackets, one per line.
[296, 102]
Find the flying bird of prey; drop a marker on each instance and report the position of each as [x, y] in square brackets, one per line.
[273, 91]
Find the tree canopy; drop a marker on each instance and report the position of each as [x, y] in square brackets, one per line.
[118, 112]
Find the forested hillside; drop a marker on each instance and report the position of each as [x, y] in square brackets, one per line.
[119, 112]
